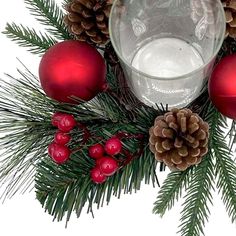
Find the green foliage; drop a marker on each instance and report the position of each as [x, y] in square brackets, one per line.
[171, 190]
[199, 181]
[37, 43]
[26, 113]
[50, 15]
[68, 188]
[197, 198]
[26, 132]
[225, 170]
[25, 122]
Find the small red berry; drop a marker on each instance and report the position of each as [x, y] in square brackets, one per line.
[113, 146]
[108, 166]
[98, 162]
[51, 148]
[96, 176]
[62, 138]
[60, 153]
[56, 118]
[96, 151]
[67, 123]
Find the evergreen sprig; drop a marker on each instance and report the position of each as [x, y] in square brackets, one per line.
[225, 170]
[28, 129]
[68, 188]
[171, 191]
[25, 122]
[198, 196]
[50, 15]
[199, 181]
[37, 43]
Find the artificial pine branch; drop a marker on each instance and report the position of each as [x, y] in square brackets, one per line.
[232, 136]
[25, 122]
[225, 170]
[195, 212]
[49, 14]
[37, 43]
[68, 188]
[171, 191]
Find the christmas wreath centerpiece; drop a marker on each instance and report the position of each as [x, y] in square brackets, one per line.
[81, 135]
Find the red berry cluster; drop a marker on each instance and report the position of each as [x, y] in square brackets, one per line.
[106, 164]
[58, 149]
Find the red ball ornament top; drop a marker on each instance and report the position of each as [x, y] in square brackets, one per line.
[222, 86]
[72, 68]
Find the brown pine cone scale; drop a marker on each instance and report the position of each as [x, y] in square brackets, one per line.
[179, 139]
[230, 14]
[87, 20]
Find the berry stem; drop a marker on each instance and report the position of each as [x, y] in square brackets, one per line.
[131, 156]
[124, 135]
[86, 136]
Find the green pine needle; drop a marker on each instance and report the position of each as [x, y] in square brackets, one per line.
[49, 14]
[171, 191]
[68, 188]
[196, 211]
[225, 171]
[36, 43]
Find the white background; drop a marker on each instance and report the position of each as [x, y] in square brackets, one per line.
[131, 215]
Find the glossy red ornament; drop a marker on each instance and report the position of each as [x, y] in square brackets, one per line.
[56, 118]
[96, 151]
[66, 123]
[97, 176]
[113, 146]
[60, 154]
[222, 86]
[72, 68]
[62, 138]
[108, 166]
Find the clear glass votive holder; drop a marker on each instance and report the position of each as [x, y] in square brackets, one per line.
[167, 48]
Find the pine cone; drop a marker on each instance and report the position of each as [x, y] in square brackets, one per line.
[88, 20]
[179, 139]
[230, 14]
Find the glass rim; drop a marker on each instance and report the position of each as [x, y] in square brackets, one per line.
[184, 76]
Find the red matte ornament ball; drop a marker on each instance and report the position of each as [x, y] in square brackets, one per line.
[60, 154]
[113, 146]
[66, 123]
[62, 138]
[96, 151]
[97, 176]
[222, 86]
[72, 68]
[108, 166]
